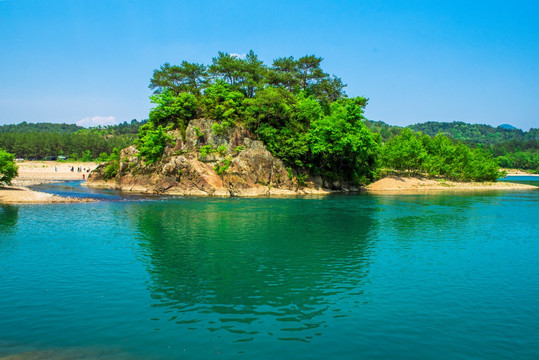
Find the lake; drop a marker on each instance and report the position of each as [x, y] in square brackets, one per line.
[446, 276]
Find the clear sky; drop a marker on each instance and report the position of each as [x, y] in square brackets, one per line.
[416, 60]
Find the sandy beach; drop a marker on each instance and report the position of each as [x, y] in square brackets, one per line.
[416, 185]
[38, 172]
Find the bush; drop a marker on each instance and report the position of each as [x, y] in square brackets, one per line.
[151, 143]
[8, 168]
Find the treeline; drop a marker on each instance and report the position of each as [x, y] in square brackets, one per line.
[418, 153]
[46, 140]
[476, 133]
[511, 147]
[25, 127]
[302, 115]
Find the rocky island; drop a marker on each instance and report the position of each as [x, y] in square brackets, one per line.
[210, 164]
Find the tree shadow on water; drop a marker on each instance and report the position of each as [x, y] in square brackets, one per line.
[9, 215]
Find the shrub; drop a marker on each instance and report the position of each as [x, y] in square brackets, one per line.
[8, 168]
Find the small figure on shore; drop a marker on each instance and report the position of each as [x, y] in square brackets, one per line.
[55, 169]
[71, 169]
[83, 176]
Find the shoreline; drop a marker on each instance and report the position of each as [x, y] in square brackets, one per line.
[39, 172]
[396, 185]
[43, 172]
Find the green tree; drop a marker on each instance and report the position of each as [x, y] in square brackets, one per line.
[8, 168]
[221, 103]
[186, 77]
[172, 110]
[151, 143]
[405, 152]
[229, 68]
[342, 145]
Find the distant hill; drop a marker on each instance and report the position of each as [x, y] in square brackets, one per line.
[25, 127]
[476, 133]
[507, 126]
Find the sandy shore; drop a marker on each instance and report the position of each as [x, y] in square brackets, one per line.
[38, 172]
[416, 185]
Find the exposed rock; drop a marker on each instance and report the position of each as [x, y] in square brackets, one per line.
[243, 166]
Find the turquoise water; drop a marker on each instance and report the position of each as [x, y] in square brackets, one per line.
[449, 276]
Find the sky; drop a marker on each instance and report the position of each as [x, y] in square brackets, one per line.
[90, 62]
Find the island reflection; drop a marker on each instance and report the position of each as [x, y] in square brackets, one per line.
[225, 264]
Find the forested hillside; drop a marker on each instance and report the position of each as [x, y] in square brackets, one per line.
[511, 147]
[48, 140]
[476, 133]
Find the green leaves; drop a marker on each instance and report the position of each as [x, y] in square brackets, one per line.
[187, 77]
[173, 110]
[412, 153]
[341, 144]
[221, 103]
[151, 143]
[8, 168]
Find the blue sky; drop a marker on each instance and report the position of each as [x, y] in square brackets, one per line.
[91, 61]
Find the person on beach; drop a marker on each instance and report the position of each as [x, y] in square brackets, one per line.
[83, 176]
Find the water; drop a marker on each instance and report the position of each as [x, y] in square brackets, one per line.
[523, 179]
[449, 276]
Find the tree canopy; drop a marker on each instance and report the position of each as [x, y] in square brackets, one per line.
[303, 116]
[8, 168]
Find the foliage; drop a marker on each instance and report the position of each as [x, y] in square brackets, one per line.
[412, 153]
[205, 150]
[220, 169]
[186, 77]
[221, 103]
[303, 116]
[43, 140]
[341, 144]
[86, 156]
[476, 133]
[221, 149]
[113, 165]
[173, 110]
[8, 168]
[151, 142]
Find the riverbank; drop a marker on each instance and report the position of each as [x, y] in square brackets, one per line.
[39, 172]
[412, 184]
[23, 195]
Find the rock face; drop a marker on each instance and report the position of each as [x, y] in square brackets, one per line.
[208, 164]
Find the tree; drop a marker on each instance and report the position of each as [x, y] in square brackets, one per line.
[255, 73]
[151, 143]
[187, 77]
[8, 168]
[228, 68]
[405, 152]
[173, 110]
[342, 145]
[284, 72]
[309, 71]
[221, 103]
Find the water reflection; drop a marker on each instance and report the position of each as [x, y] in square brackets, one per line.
[9, 215]
[284, 265]
[409, 217]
